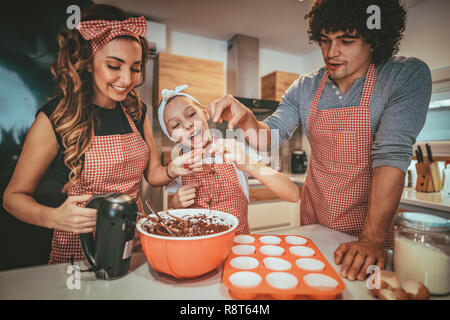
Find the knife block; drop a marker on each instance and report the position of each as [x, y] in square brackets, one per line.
[428, 177]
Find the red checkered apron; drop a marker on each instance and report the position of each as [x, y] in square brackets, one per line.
[227, 192]
[113, 163]
[336, 189]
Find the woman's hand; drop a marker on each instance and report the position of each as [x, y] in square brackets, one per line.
[71, 217]
[185, 196]
[232, 152]
[186, 164]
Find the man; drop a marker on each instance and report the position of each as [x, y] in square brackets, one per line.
[361, 112]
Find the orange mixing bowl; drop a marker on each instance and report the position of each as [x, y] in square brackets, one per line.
[188, 257]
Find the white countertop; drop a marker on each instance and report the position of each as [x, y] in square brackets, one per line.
[142, 282]
[433, 200]
[430, 200]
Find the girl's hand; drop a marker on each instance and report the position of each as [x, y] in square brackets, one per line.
[186, 164]
[232, 152]
[185, 196]
[69, 216]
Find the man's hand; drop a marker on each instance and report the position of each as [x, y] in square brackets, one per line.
[231, 110]
[227, 108]
[357, 256]
[386, 188]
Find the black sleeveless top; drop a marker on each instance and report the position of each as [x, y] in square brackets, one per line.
[25, 244]
[110, 121]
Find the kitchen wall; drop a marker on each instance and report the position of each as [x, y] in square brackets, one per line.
[425, 37]
[205, 48]
[28, 45]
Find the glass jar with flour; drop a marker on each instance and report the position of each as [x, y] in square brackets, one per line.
[422, 250]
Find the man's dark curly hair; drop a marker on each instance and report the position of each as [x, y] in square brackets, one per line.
[351, 15]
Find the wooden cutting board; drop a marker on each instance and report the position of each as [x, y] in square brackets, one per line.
[204, 77]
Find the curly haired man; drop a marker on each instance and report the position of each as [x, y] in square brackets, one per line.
[361, 113]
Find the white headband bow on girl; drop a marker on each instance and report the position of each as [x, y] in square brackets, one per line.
[166, 95]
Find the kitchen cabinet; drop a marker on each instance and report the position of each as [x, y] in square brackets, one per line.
[275, 84]
[273, 215]
[205, 78]
[266, 212]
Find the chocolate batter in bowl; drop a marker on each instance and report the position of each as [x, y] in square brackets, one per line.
[201, 244]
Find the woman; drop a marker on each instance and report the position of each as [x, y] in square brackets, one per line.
[94, 137]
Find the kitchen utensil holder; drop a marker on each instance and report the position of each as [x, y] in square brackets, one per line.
[428, 177]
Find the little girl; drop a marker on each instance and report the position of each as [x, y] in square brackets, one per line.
[222, 182]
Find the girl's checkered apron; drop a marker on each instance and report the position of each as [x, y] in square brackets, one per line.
[113, 163]
[227, 193]
[336, 189]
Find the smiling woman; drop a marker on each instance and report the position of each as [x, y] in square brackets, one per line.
[93, 137]
[84, 76]
[115, 77]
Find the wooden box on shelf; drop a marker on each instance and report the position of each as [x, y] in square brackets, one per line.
[275, 84]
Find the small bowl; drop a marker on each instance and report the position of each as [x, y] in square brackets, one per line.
[302, 251]
[295, 240]
[320, 281]
[188, 257]
[309, 264]
[244, 263]
[277, 264]
[270, 240]
[244, 239]
[243, 250]
[270, 250]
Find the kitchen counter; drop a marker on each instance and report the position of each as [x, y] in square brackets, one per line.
[426, 202]
[436, 201]
[142, 282]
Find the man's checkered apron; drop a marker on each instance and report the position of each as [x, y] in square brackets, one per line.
[227, 193]
[113, 163]
[336, 189]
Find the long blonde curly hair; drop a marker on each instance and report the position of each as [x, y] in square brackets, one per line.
[74, 117]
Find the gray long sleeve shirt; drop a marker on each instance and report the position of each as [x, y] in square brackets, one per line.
[398, 108]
